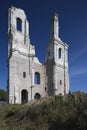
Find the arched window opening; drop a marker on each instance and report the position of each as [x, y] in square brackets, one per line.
[24, 74]
[60, 53]
[37, 78]
[60, 82]
[24, 96]
[37, 96]
[45, 88]
[60, 94]
[19, 24]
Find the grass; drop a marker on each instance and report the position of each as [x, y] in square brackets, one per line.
[56, 113]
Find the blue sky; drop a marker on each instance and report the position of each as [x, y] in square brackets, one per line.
[73, 31]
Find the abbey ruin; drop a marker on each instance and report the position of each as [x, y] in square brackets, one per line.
[28, 78]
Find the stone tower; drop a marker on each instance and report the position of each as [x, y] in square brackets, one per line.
[19, 51]
[56, 61]
[28, 78]
[26, 75]
[18, 54]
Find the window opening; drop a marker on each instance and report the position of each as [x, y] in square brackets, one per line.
[60, 94]
[45, 88]
[24, 74]
[60, 82]
[19, 24]
[37, 96]
[37, 78]
[60, 52]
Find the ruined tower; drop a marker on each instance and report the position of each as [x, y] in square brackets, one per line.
[28, 78]
[18, 55]
[56, 61]
[26, 75]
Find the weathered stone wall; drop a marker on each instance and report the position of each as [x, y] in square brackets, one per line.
[17, 65]
[23, 65]
[49, 71]
[57, 62]
[40, 88]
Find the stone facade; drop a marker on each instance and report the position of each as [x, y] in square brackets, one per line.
[27, 78]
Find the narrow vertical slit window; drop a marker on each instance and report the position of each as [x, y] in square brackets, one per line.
[60, 53]
[24, 74]
[60, 82]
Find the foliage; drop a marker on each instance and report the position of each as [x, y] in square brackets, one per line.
[3, 95]
[60, 113]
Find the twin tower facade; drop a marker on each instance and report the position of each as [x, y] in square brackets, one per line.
[27, 78]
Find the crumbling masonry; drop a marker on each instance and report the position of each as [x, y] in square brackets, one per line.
[27, 78]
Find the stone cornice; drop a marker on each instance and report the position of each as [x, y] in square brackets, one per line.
[21, 53]
[58, 41]
[61, 66]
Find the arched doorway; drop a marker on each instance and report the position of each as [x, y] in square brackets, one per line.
[37, 96]
[24, 96]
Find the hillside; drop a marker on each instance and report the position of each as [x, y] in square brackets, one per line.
[52, 113]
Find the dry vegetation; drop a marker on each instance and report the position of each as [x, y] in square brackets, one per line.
[52, 113]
